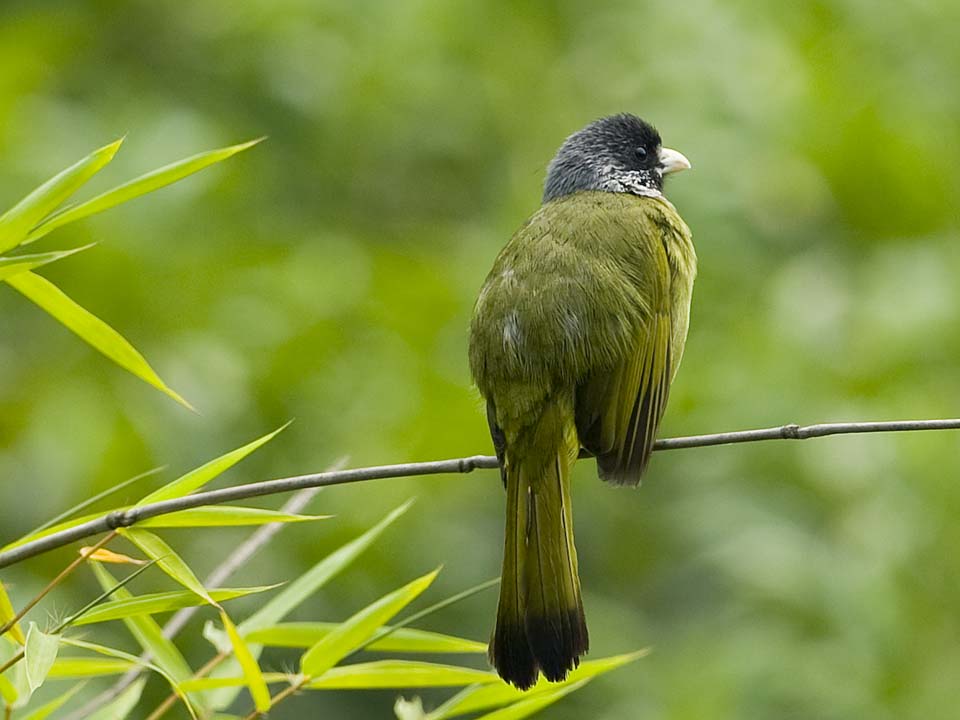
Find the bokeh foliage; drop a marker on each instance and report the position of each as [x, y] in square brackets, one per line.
[328, 275]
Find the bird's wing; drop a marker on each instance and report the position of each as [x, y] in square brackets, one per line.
[618, 410]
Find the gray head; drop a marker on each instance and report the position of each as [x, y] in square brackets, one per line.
[620, 153]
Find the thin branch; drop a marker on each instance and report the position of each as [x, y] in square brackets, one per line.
[246, 550]
[121, 519]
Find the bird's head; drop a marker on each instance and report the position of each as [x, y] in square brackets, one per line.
[620, 153]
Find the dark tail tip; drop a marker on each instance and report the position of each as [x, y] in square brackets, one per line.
[558, 641]
[510, 654]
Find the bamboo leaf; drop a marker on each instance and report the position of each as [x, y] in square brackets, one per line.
[80, 667]
[319, 575]
[46, 710]
[393, 674]
[122, 705]
[168, 561]
[352, 633]
[251, 670]
[108, 556]
[483, 697]
[294, 594]
[142, 185]
[121, 655]
[408, 640]
[13, 264]
[8, 691]
[163, 602]
[40, 652]
[528, 706]
[20, 219]
[89, 328]
[197, 478]
[225, 516]
[65, 525]
[7, 614]
[146, 631]
[219, 683]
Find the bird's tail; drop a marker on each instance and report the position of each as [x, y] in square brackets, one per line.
[540, 622]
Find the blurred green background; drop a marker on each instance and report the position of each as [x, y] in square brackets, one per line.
[328, 275]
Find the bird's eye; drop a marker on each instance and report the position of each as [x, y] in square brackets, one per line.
[641, 153]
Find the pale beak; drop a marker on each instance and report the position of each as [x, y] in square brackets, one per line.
[671, 161]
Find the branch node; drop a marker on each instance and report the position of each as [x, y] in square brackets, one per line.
[114, 520]
[791, 432]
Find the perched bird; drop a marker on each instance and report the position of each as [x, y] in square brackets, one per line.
[575, 339]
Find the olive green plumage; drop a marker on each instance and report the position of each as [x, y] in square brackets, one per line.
[576, 336]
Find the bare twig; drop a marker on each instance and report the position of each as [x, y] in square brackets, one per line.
[121, 519]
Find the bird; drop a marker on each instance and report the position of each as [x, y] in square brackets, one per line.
[575, 338]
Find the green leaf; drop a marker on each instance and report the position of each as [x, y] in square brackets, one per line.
[294, 594]
[197, 478]
[400, 640]
[8, 691]
[78, 667]
[528, 706]
[146, 631]
[225, 516]
[483, 697]
[7, 614]
[156, 603]
[219, 683]
[13, 264]
[40, 651]
[251, 670]
[89, 328]
[46, 710]
[65, 525]
[20, 219]
[168, 561]
[394, 674]
[142, 185]
[121, 655]
[122, 705]
[352, 633]
[319, 575]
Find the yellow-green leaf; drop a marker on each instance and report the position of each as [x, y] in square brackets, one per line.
[168, 561]
[47, 709]
[288, 599]
[13, 264]
[65, 525]
[251, 670]
[78, 667]
[40, 651]
[121, 655]
[225, 516]
[353, 632]
[487, 696]
[142, 185]
[393, 674]
[89, 328]
[122, 705]
[530, 705]
[20, 219]
[197, 478]
[219, 683]
[7, 614]
[145, 630]
[156, 603]
[404, 639]
[8, 691]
